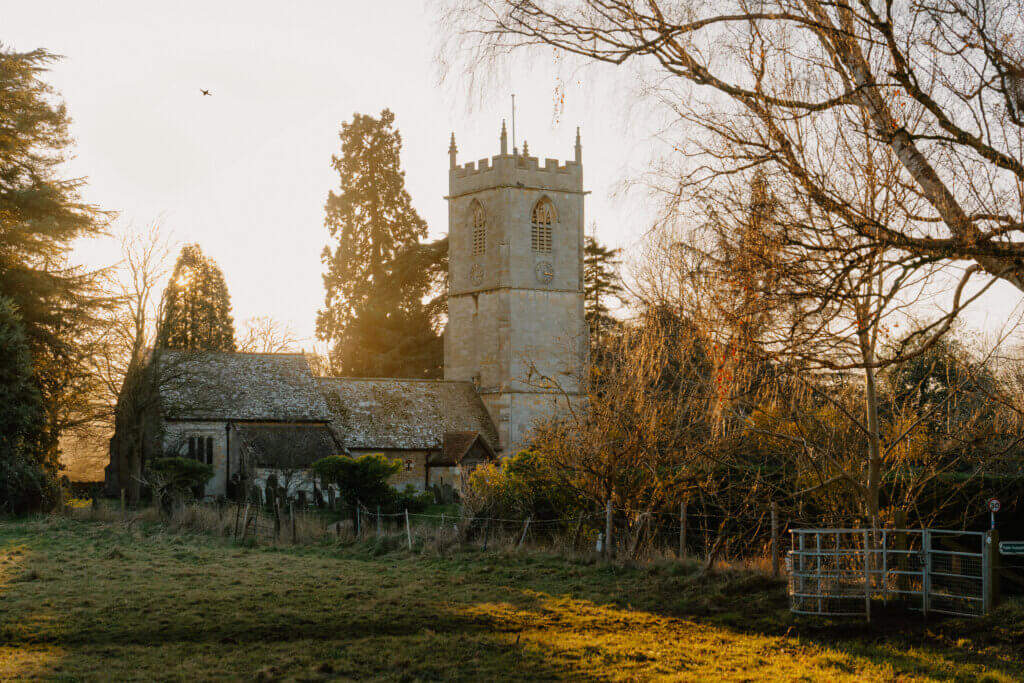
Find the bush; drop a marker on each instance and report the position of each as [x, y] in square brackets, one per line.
[363, 479]
[173, 480]
[516, 487]
[25, 486]
[410, 499]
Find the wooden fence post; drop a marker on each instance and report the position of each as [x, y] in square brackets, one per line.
[359, 521]
[378, 521]
[775, 539]
[682, 529]
[526, 527]
[245, 522]
[277, 518]
[123, 508]
[990, 567]
[608, 529]
[291, 513]
[408, 529]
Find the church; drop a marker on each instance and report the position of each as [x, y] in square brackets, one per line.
[515, 351]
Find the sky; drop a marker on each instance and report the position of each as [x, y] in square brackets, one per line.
[245, 172]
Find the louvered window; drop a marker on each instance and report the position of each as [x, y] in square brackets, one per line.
[479, 230]
[541, 220]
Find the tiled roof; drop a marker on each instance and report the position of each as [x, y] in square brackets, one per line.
[292, 445]
[403, 413]
[211, 385]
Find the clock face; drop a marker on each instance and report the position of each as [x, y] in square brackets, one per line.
[545, 271]
[476, 274]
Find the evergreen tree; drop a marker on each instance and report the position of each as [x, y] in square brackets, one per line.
[601, 282]
[41, 215]
[26, 475]
[374, 313]
[196, 306]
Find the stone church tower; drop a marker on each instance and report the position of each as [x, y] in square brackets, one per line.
[515, 307]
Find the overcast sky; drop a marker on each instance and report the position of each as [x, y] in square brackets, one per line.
[245, 173]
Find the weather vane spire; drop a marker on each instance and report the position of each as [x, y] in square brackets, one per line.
[515, 150]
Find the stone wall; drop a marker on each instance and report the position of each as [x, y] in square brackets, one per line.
[176, 435]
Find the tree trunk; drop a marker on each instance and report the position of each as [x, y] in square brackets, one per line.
[874, 478]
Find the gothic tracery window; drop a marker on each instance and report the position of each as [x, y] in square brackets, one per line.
[542, 217]
[479, 229]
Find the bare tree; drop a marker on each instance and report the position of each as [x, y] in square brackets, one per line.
[125, 363]
[939, 83]
[119, 339]
[264, 334]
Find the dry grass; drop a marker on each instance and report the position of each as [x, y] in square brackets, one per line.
[138, 600]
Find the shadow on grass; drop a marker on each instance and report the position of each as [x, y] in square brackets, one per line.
[107, 602]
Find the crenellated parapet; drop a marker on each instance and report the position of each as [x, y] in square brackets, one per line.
[515, 170]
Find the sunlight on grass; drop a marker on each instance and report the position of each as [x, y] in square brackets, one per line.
[611, 642]
[133, 600]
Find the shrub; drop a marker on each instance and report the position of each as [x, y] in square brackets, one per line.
[518, 486]
[410, 499]
[173, 480]
[363, 479]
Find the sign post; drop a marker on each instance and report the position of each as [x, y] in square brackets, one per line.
[993, 508]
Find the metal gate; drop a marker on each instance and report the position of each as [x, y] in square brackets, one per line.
[839, 572]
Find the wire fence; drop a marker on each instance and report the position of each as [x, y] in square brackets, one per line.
[612, 533]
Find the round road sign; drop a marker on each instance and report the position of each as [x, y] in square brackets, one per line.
[993, 505]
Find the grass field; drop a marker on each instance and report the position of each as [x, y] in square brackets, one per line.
[108, 600]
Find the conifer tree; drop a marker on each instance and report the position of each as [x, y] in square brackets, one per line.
[41, 215]
[601, 282]
[26, 475]
[196, 306]
[374, 315]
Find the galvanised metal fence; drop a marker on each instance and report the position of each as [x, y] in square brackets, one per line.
[840, 572]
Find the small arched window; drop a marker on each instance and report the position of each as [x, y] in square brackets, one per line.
[479, 229]
[541, 219]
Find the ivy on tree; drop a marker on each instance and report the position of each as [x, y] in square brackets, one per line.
[196, 306]
[374, 314]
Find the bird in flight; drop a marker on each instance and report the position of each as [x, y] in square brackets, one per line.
[205, 92]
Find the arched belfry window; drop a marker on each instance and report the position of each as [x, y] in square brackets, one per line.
[479, 229]
[541, 219]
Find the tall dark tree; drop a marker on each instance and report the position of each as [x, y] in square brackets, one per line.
[601, 283]
[41, 215]
[374, 315]
[26, 475]
[196, 306]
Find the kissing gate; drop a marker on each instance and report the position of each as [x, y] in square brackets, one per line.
[838, 572]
